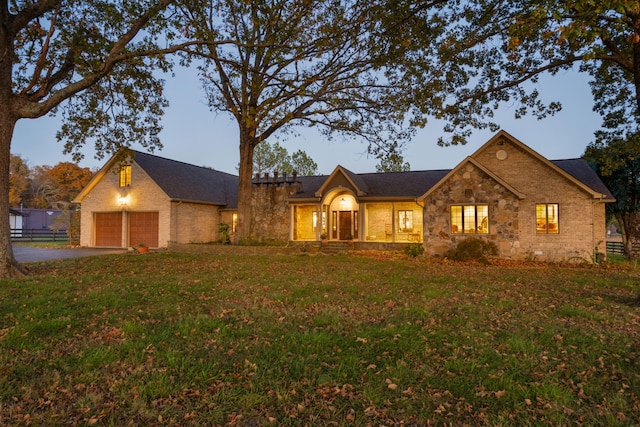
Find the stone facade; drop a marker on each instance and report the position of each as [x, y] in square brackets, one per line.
[469, 185]
[271, 212]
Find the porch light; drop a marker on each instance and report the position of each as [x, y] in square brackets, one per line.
[123, 200]
[343, 202]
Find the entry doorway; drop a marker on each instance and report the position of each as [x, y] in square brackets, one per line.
[344, 225]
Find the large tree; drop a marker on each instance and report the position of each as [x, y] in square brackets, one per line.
[496, 53]
[618, 164]
[297, 62]
[52, 50]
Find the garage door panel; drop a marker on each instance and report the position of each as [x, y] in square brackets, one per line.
[108, 227]
[143, 228]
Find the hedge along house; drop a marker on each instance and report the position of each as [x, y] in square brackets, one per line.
[139, 198]
[505, 193]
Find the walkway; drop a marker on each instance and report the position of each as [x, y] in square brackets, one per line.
[31, 254]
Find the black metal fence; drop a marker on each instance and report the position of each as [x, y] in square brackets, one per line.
[618, 248]
[38, 235]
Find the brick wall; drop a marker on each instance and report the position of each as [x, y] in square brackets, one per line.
[582, 219]
[194, 223]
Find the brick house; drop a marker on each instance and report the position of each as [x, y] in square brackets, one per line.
[505, 192]
[141, 198]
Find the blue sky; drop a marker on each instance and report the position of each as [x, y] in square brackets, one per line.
[195, 135]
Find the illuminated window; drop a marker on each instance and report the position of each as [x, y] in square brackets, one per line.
[125, 176]
[234, 222]
[405, 221]
[547, 218]
[470, 219]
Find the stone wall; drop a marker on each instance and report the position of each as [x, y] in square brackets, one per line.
[470, 186]
[271, 212]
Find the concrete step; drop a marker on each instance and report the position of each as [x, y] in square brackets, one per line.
[335, 247]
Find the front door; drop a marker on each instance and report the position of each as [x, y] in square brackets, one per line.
[344, 224]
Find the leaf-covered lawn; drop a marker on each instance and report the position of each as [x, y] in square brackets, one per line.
[175, 339]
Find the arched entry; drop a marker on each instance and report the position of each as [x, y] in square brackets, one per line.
[343, 218]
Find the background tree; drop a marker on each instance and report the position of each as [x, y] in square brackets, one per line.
[275, 158]
[68, 180]
[302, 164]
[294, 62]
[19, 175]
[52, 50]
[618, 164]
[46, 186]
[268, 158]
[392, 161]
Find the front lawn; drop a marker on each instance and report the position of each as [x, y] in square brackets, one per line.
[177, 339]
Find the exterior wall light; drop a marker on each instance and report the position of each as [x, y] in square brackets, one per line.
[123, 201]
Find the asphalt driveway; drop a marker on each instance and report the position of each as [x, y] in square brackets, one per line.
[31, 254]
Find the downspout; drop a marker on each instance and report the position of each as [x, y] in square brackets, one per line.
[417, 202]
[175, 219]
[594, 245]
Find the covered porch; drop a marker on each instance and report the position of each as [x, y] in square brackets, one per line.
[341, 216]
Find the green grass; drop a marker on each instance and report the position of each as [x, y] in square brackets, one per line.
[318, 340]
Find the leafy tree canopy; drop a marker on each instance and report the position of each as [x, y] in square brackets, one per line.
[618, 164]
[45, 186]
[491, 53]
[275, 158]
[52, 50]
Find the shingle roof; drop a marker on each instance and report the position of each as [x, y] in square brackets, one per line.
[416, 183]
[580, 170]
[380, 185]
[186, 182]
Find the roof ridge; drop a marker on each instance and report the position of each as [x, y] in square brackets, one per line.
[183, 163]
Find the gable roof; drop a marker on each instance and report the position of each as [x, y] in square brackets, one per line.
[179, 181]
[580, 170]
[359, 185]
[593, 184]
[483, 169]
[189, 183]
[418, 184]
[389, 185]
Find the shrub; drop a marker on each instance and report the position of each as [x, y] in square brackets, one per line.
[472, 249]
[414, 249]
[225, 235]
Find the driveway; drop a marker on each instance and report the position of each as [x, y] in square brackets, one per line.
[31, 254]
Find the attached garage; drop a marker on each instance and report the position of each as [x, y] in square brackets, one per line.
[138, 198]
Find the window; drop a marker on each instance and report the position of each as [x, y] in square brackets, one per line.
[125, 176]
[234, 222]
[470, 219]
[405, 221]
[547, 218]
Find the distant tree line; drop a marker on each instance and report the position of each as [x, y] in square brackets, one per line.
[45, 187]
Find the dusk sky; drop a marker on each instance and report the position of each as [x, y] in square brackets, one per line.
[195, 135]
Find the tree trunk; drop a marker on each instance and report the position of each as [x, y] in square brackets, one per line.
[626, 224]
[9, 267]
[244, 230]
